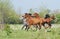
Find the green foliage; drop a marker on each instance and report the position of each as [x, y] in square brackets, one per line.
[7, 13]
[58, 18]
[22, 34]
[7, 29]
[43, 12]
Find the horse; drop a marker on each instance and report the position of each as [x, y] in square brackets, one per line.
[32, 21]
[48, 21]
[24, 22]
[41, 20]
[37, 20]
[44, 21]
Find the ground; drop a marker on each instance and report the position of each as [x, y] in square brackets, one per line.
[17, 33]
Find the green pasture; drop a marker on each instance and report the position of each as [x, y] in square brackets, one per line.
[17, 33]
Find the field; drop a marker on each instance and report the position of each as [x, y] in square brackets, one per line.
[17, 33]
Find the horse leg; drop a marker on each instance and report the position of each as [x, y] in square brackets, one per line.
[39, 26]
[44, 25]
[49, 25]
[36, 27]
[28, 27]
[23, 27]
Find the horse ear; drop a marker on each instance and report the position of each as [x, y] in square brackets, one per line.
[30, 14]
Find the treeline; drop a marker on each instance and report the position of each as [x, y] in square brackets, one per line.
[58, 18]
[9, 15]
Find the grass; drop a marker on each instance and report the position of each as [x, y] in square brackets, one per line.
[17, 33]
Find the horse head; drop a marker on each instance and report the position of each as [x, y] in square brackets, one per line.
[25, 15]
[36, 15]
[53, 17]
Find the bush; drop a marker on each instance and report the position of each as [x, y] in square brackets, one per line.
[7, 29]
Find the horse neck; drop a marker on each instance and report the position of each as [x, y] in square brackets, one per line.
[29, 17]
[38, 17]
[50, 19]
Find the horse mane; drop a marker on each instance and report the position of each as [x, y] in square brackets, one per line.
[26, 13]
[30, 14]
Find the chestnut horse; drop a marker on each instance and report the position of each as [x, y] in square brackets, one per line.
[44, 21]
[37, 20]
[32, 21]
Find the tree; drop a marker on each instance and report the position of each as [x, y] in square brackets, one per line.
[8, 13]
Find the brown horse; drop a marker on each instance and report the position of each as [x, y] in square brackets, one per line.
[48, 20]
[37, 20]
[32, 21]
[45, 21]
